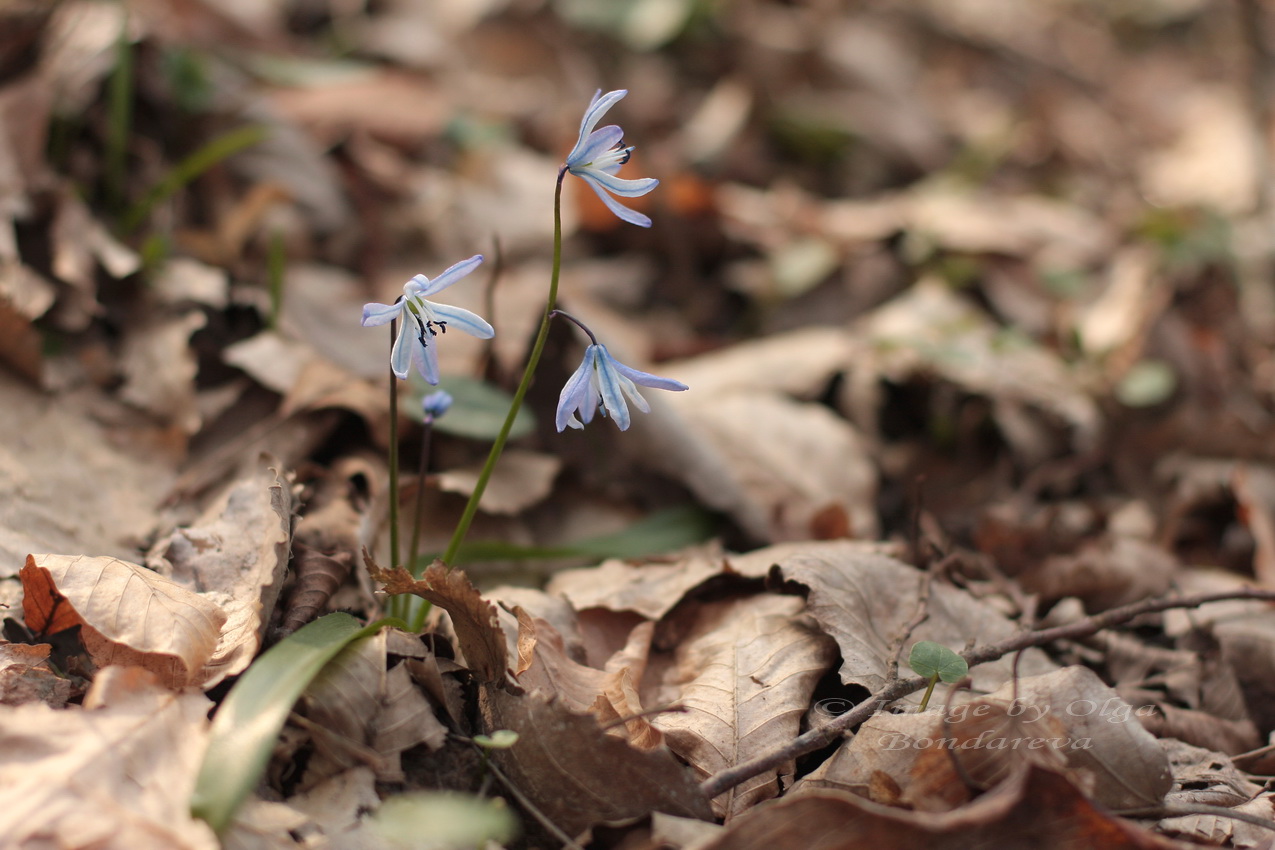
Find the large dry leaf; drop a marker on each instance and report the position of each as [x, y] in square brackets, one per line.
[864, 600]
[25, 676]
[649, 589]
[577, 774]
[475, 619]
[1034, 809]
[357, 706]
[237, 553]
[118, 775]
[749, 453]
[798, 363]
[68, 483]
[521, 480]
[129, 615]
[744, 674]
[160, 366]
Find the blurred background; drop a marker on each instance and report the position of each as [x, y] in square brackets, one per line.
[952, 272]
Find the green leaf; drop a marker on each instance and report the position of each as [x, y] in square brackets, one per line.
[440, 820]
[501, 739]
[661, 531]
[930, 659]
[248, 723]
[1148, 383]
[478, 409]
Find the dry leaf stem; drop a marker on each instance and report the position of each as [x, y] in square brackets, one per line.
[818, 738]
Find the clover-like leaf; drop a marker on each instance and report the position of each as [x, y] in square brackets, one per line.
[930, 659]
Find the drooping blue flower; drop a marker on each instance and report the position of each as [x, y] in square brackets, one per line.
[435, 404]
[420, 321]
[602, 381]
[598, 155]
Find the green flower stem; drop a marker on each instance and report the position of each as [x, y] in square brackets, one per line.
[418, 608]
[498, 446]
[396, 607]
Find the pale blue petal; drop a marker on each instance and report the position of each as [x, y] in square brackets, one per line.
[401, 353]
[621, 211]
[597, 108]
[599, 142]
[577, 394]
[380, 314]
[447, 278]
[618, 185]
[646, 379]
[458, 318]
[632, 392]
[612, 391]
[426, 359]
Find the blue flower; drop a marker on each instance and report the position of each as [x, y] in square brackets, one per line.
[420, 320]
[435, 404]
[598, 155]
[603, 380]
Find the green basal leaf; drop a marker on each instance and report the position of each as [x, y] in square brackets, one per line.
[931, 659]
[478, 409]
[440, 820]
[247, 724]
[662, 531]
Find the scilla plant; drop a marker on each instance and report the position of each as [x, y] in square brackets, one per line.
[601, 384]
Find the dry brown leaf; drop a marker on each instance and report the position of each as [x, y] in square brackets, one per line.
[118, 775]
[561, 756]
[474, 618]
[238, 548]
[649, 589]
[761, 443]
[25, 676]
[356, 705]
[129, 615]
[798, 363]
[744, 673]
[1035, 808]
[864, 599]
[521, 480]
[159, 368]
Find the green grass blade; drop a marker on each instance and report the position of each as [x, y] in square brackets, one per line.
[246, 726]
[221, 148]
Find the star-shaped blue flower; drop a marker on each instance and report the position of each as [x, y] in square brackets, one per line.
[603, 380]
[598, 155]
[420, 321]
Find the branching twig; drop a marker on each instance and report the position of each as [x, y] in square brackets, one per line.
[922, 614]
[893, 690]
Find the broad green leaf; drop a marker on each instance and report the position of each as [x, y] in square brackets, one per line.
[246, 726]
[478, 409]
[931, 659]
[440, 820]
[662, 531]
[1148, 383]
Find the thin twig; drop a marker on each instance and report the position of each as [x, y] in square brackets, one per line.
[667, 709]
[1180, 810]
[531, 808]
[820, 737]
[921, 614]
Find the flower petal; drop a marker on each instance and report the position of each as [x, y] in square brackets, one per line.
[599, 142]
[426, 359]
[618, 185]
[458, 318]
[447, 278]
[401, 353]
[646, 379]
[621, 211]
[611, 389]
[576, 394]
[597, 108]
[380, 314]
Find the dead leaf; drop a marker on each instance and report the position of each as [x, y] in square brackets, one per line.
[475, 619]
[239, 547]
[159, 366]
[118, 775]
[649, 589]
[744, 673]
[129, 615]
[521, 479]
[358, 705]
[25, 676]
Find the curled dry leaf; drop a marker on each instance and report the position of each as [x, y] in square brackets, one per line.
[1034, 808]
[238, 550]
[119, 775]
[744, 673]
[25, 676]
[474, 618]
[650, 589]
[129, 615]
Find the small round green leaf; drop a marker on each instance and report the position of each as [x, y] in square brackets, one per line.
[442, 821]
[930, 659]
[501, 739]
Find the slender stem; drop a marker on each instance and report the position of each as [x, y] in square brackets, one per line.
[581, 325]
[498, 446]
[925, 700]
[395, 606]
[418, 608]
